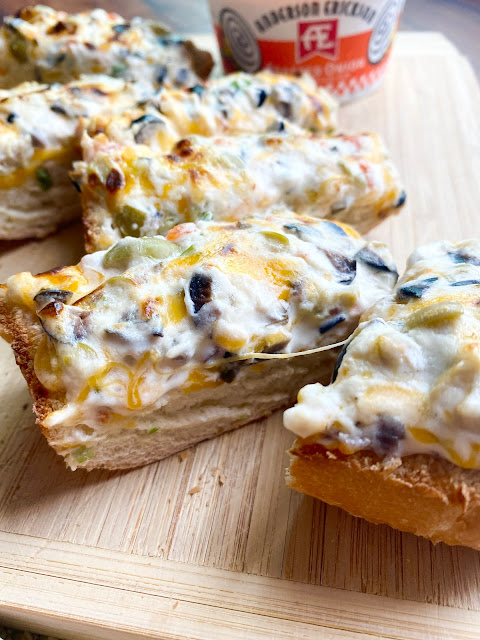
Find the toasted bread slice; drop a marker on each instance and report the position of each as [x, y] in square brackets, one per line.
[131, 189]
[42, 44]
[422, 494]
[262, 102]
[147, 348]
[38, 144]
[396, 437]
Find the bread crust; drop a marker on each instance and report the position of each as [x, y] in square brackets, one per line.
[24, 335]
[421, 494]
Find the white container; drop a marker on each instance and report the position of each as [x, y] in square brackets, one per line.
[344, 45]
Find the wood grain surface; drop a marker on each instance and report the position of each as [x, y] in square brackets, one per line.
[212, 544]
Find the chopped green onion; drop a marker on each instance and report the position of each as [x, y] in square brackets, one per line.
[128, 250]
[208, 215]
[44, 178]
[118, 70]
[153, 430]
[188, 251]
[82, 454]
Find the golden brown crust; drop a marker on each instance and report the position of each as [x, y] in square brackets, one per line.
[89, 228]
[422, 494]
[23, 333]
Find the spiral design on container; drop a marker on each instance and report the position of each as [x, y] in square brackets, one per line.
[381, 37]
[241, 40]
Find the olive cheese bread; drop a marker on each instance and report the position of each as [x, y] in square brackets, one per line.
[133, 190]
[42, 44]
[396, 437]
[233, 104]
[149, 347]
[38, 143]
[40, 128]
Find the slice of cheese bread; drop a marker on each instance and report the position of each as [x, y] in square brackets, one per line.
[396, 437]
[133, 190]
[39, 142]
[232, 104]
[151, 346]
[42, 44]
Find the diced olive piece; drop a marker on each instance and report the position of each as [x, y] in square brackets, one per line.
[127, 250]
[200, 290]
[148, 124]
[346, 267]
[339, 361]
[56, 107]
[198, 89]
[51, 295]
[297, 229]
[63, 323]
[277, 125]
[262, 96]
[389, 431]
[76, 185]
[129, 220]
[44, 178]
[120, 28]
[464, 283]
[401, 200]
[47, 316]
[415, 290]
[285, 109]
[434, 314]
[181, 77]
[368, 257]
[11, 117]
[331, 323]
[162, 73]
[460, 257]
[337, 229]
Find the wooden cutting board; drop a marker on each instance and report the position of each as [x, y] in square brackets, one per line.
[212, 544]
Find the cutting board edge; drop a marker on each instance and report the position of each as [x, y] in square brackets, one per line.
[47, 580]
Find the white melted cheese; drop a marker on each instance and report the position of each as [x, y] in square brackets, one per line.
[233, 104]
[54, 46]
[409, 380]
[39, 122]
[228, 177]
[147, 325]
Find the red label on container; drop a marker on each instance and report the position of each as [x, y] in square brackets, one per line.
[343, 45]
[317, 38]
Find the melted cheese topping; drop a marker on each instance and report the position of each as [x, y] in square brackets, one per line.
[409, 380]
[132, 190]
[54, 46]
[150, 315]
[233, 104]
[38, 123]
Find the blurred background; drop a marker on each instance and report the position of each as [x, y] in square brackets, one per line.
[458, 20]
